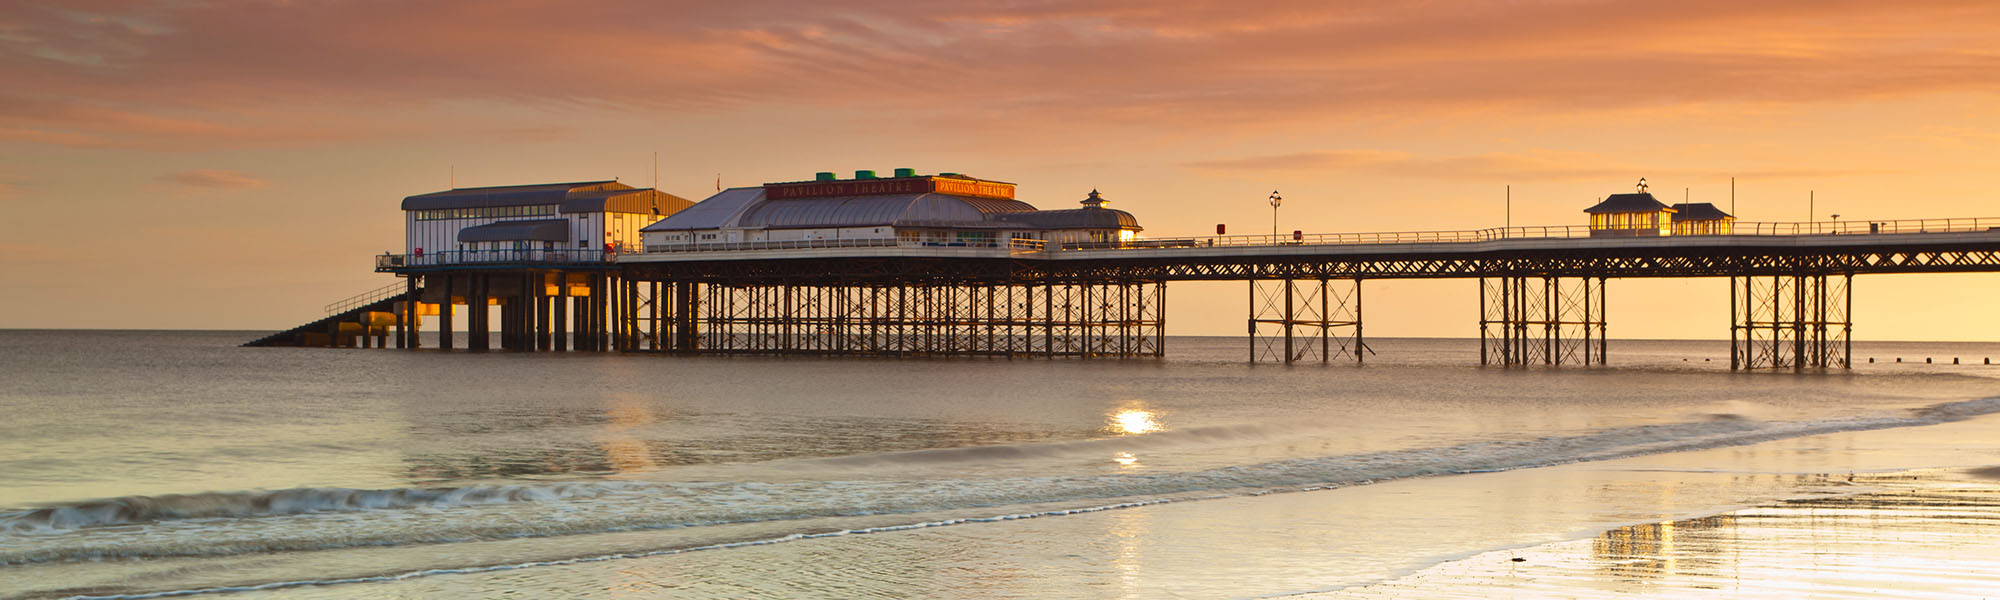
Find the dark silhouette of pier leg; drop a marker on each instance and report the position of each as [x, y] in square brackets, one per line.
[445, 310]
[543, 306]
[559, 317]
[688, 306]
[477, 307]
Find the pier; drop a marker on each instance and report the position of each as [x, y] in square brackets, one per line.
[715, 279]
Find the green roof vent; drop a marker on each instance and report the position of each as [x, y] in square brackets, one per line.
[864, 174]
[823, 176]
[906, 172]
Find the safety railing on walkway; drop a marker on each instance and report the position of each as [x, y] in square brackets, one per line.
[1012, 245]
[1740, 228]
[366, 298]
[392, 262]
[567, 256]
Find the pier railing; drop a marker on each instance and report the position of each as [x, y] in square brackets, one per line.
[365, 298]
[392, 262]
[537, 256]
[1739, 228]
[1012, 245]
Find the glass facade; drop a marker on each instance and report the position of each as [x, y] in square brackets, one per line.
[490, 212]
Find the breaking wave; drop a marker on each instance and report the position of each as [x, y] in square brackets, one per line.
[144, 509]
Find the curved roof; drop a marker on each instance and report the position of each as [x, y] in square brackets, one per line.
[750, 208]
[715, 212]
[1629, 203]
[890, 209]
[506, 195]
[545, 230]
[1699, 211]
[646, 201]
[577, 197]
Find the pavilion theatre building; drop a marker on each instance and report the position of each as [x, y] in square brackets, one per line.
[907, 209]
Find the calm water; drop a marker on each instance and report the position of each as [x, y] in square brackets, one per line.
[147, 462]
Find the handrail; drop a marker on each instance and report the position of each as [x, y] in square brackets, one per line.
[391, 262]
[549, 256]
[1012, 245]
[366, 298]
[1738, 228]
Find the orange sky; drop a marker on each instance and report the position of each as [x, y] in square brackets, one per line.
[235, 164]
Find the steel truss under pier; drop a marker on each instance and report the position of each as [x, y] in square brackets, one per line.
[1541, 320]
[1284, 313]
[1119, 319]
[1790, 321]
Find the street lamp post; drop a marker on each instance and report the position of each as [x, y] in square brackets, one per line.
[1275, 201]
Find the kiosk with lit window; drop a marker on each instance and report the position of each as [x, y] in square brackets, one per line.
[1635, 214]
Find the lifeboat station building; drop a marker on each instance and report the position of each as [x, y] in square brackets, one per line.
[947, 209]
[531, 222]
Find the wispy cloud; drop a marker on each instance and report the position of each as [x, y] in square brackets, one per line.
[215, 179]
[10, 186]
[168, 74]
[1536, 165]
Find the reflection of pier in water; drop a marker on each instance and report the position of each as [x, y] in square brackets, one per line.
[629, 434]
[1659, 550]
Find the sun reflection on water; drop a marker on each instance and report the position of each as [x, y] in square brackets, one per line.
[1134, 421]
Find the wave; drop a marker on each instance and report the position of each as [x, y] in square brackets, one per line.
[1095, 447]
[219, 524]
[130, 510]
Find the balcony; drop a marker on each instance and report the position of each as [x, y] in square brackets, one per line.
[493, 258]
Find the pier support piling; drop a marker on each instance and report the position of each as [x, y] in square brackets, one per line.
[1791, 321]
[1287, 314]
[1120, 319]
[1542, 320]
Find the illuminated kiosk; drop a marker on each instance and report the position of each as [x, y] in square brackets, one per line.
[1628, 215]
[1702, 218]
[947, 209]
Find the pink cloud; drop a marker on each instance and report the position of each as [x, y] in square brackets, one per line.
[215, 179]
[167, 74]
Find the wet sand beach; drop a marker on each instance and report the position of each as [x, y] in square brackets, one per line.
[1927, 534]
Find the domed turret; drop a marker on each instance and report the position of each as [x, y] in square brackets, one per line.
[1095, 200]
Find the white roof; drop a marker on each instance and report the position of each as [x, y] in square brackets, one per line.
[721, 210]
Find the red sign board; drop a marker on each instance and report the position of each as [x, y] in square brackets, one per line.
[968, 187]
[876, 187]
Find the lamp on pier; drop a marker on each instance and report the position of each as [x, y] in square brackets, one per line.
[1275, 201]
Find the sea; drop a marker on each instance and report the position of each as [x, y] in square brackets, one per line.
[153, 464]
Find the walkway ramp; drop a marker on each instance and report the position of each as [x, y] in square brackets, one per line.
[347, 322]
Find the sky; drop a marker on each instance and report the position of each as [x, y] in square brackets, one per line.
[221, 164]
